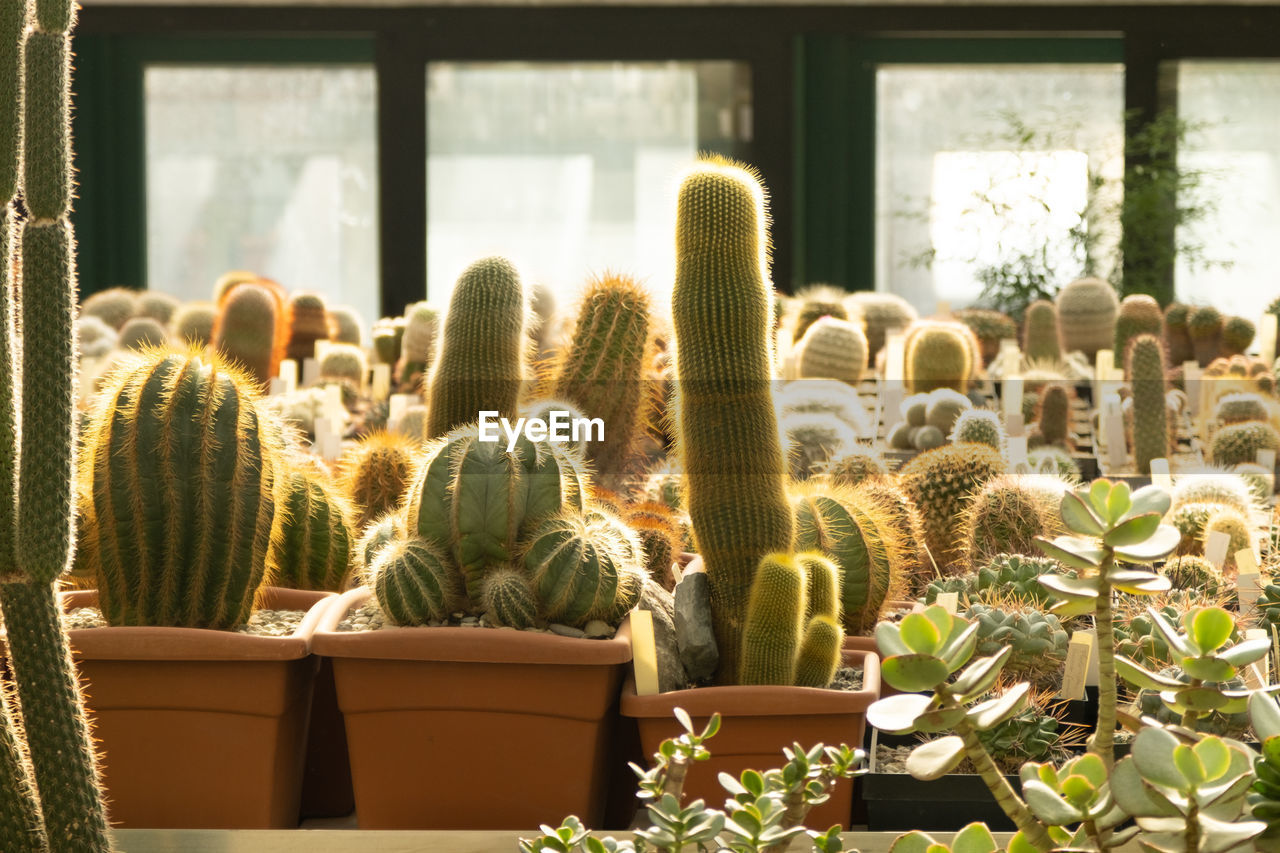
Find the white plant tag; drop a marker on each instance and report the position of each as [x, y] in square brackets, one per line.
[1215, 548]
[1160, 475]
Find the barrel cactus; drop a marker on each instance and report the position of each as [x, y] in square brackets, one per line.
[990, 328]
[345, 326]
[312, 549]
[1139, 314]
[1087, 310]
[1204, 325]
[374, 474]
[881, 313]
[345, 364]
[812, 441]
[815, 302]
[941, 483]
[1240, 407]
[857, 465]
[584, 566]
[1238, 443]
[979, 426]
[414, 583]
[193, 323]
[1237, 335]
[1008, 512]
[419, 332]
[938, 355]
[142, 332]
[832, 349]
[1235, 526]
[252, 328]
[114, 306]
[308, 323]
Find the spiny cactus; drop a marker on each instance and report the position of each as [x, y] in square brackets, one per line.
[193, 323]
[856, 465]
[114, 306]
[345, 326]
[822, 585]
[414, 583]
[1237, 335]
[1139, 314]
[1241, 442]
[1008, 512]
[1146, 367]
[584, 567]
[941, 482]
[735, 474]
[1055, 462]
[1204, 325]
[979, 426]
[1015, 576]
[1212, 486]
[308, 323]
[1055, 416]
[388, 336]
[1191, 572]
[251, 328]
[832, 349]
[156, 305]
[374, 474]
[603, 369]
[1087, 309]
[1189, 519]
[1040, 335]
[94, 338]
[376, 535]
[1236, 526]
[142, 332]
[230, 279]
[1261, 481]
[814, 303]
[659, 533]
[1176, 336]
[481, 363]
[827, 397]
[313, 547]
[343, 363]
[421, 329]
[508, 598]
[811, 441]
[774, 623]
[944, 408]
[881, 312]
[1240, 407]
[819, 656]
[938, 356]
[664, 483]
[181, 464]
[990, 327]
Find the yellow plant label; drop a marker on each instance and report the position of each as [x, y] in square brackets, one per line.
[380, 382]
[644, 653]
[1076, 668]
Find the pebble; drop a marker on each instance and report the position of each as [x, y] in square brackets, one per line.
[566, 630]
[596, 630]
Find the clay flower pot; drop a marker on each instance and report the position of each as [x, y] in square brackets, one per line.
[200, 728]
[757, 723]
[473, 728]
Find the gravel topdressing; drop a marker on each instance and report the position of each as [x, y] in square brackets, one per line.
[263, 623]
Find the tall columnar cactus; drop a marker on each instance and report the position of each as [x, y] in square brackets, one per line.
[37, 443]
[1237, 335]
[735, 473]
[313, 549]
[1055, 416]
[941, 482]
[193, 323]
[1087, 309]
[251, 328]
[832, 349]
[938, 356]
[1205, 328]
[1040, 332]
[1140, 314]
[602, 370]
[308, 323]
[1146, 371]
[774, 624]
[418, 344]
[481, 363]
[374, 474]
[1177, 338]
[181, 463]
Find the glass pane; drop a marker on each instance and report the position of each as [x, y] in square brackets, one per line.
[569, 169]
[995, 172]
[270, 169]
[1232, 110]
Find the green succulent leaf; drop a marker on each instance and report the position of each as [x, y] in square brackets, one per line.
[1195, 699]
[914, 673]
[1072, 551]
[920, 634]
[959, 649]
[1098, 492]
[1136, 797]
[993, 712]
[1214, 757]
[1221, 836]
[1208, 669]
[1138, 582]
[1078, 791]
[935, 759]
[1079, 517]
[1150, 499]
[1140, 528]
[889, 640]
[912, 842]
[1142, 678]
[1045, 803]
[1118, 502]
[1209, 628]
[938, 720]
[1176, 641]
[1070, 589]
[1188, 764]
[981, 674]
[897, 714]
[974, 838]
[1246, 652]
[1152, 752]
[1264, 714]
[1159, 546]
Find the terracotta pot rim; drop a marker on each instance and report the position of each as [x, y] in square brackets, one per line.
[463, 645]
[761, 701]
[197, 644]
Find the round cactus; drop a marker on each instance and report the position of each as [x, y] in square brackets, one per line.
[1015, 577]
[1240, 407]
[507, 598]
[251, 328]
[308, 323]
[1212, 486]
[1055, 462]
[1055, 416]
[156, 305]
[990, 328]
[881, 313]
[1038, 639]
[815, 303]
[938, 355]
[1192, 572]
[114, 306]
[1261, 482]
[1139, 314]
[388, 336]
[415, 582]
[584, 567]
[193, 323]
[856, 466]
[979, 426]
[1176, 336]
[1008, 512]
[811, 441]
[1204, 325]
[94, 338]
[1190, 519]
[376, 535]
[374, 474]
[313, 547]
[944, 409]
[345, 326]
[658, 530]
[1237, 335]
[142, 332]
[421, 328]
[1235, 525]
[343, 363]
[927, 437]
[832, 349]
[1087, 309]
[1040, 335]
[941, 482]
[1241, 442]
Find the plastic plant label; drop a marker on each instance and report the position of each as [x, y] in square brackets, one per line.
[396, 408]
[277, 387]
[1267, 338]
[289, 375]
[1091, 678]
[1017, 445]
[644, 653]
[380, 382]
[1215, 549]
[1257, 675]
[1160, 475]
[1014, 425]
[1191, 381]
[1267, 459]
[1249, 584]
[949, 601]
[1104, 364]
[310, 372]
[1076, 668]
[1113, 429]
[895, 357]
[333, 402]
[328, 443]
[321, 347]
[1011, 396]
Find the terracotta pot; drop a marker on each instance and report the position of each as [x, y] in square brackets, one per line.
[473, 728]
[757, 723]
[200, 728]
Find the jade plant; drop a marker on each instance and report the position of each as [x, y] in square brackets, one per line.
[1264, 794]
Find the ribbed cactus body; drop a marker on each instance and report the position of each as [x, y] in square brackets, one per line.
[659, 532]
[938, 356]
[313, 549]
[1241, 442]
[1038, 640]
[1240, 408]
[181, 466]
[832, 349]
[858, 465]
[940, 483]
[1087, 309]
[979, 426]
[415, 582]
[602, 370]
[251, 329]
[1040, 332]
[374, 474]
[308, 323]
[345, 326]
[881, 313]
[583, 567]
[482, 350]
[735, 475]
[1008, 512]
[376, 535]
[1176, 336]
[819, 654]
[507, 596]
[774, 623]
[388, 337]
[1139, 314]
[1205, 328]
[193, 323]
[343, 363]
[1146, 370]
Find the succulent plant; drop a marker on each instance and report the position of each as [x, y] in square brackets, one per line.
[1234, 725]
[1040, 335]
[1016, 577]
[1054, 415]
[193, 323]
[94, 338]
[251, 328]
[1139, 314]
[1007, 513]
[812, 441]
[832, 349]
[1204, 325]
[1241, 442]
[481, 363]
[881, 312]
[1237, 335]
[940, 483]
[114, 306]
[414, 582]
[827, 397]
[374, 536]
[584, 566]
[508, 598]
[1189, 519]
[1145, 366]
[1087, 309]
[1191, 572]
[1240, 407]
[1176, 336]
[141, 332]
[659, 532]
[938, 355]
[308, 323]
[1038, 640]
[1031, 735]
[855, 466]
[990, 327]
[388, 338]
[814, 303]
[1260, 481]
[313, 546]
[979, 426]
[345, 326]
[1264, 793]
[973, 838]
[664, 484]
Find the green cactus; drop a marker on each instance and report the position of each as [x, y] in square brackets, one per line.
[1087, 309]
[961, 585]
[1040, 335]
[1189, 519]
[944, 408]
[508, 598]
[158, 306]
[979, 426]
[1139, 314]
[1237, 335]
[1016, 577]
[1204, 325]
[1038, 640]
[816, 302]
[1055, 416]
[938, 356]
[114, 306]
[1212, 486]
[927, 437]
[142, 332]
[774, 625]
[313, 548]
[420, 329]
[343, 363]
[193, 323]
[1177, 338]
[346, 326]
[1191, 572]
[415, 582]
[1238, 443]
[881, 313]
[308, 323]
[1261, 482]
[1235, 525]
[822, 585]
[388, 336]
[37, 357]
[990, 327]
[1007, 513]
[941, 482]
[481, 363]
[818, 658]
[602, 370]
[812, 440]
[374, 474]
[856, 466]
[248, 330]
[832, 349]
[181, 464]
[1150, 430]
[374, 536]
[735, 474]
[659, 533]
[584, 567]
[1239, 408]
[1054, 461]
[1028, 736]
